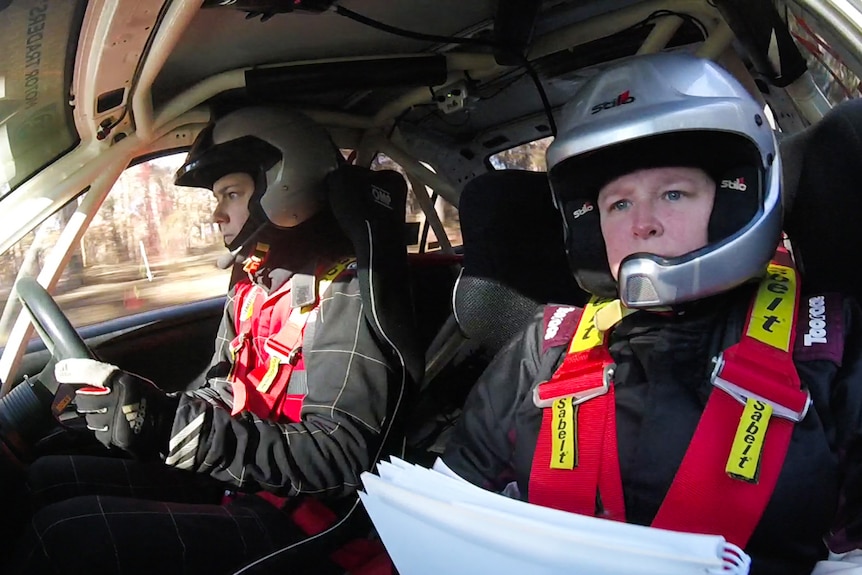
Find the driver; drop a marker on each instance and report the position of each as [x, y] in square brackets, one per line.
[296, 404]
[699, 390]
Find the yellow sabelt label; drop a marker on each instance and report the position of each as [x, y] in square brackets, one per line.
[269, 376]
[744, 460]
[564, 434]
[772, 316]
[588, 335]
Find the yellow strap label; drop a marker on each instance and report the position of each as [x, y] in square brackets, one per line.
[335, 270]
[772, 315]
[588, 335]
[234, 351]
[611, 314]
[330, 274]
[234, 348]
[236, 345]
[248, 307]
[269, 376]
[744, 460]
[564, 433]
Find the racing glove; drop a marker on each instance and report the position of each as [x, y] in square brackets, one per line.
[123, 409]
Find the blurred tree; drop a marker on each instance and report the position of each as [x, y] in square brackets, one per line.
[529, 156]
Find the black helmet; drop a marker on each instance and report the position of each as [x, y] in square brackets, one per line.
[668, 110]
[286, 153]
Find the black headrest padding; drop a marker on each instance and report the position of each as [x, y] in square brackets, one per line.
[827, 208]
[513, 237]
[370, 207]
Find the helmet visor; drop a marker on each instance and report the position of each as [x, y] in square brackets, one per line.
[207, 162]
[580, 179]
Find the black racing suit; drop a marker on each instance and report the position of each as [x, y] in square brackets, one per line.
[344, 414]
[103, 515]
[662, 386]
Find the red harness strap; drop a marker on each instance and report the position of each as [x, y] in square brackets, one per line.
[578, 429]
[720, 487]
[260, 377]
[268, 348]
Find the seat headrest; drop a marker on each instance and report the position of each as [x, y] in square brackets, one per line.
[513, 234]
[514, 255]
[370, 207]
[826, 205]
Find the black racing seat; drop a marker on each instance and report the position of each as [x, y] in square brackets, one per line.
[370, 207]
[514, 260]
[514, 256]
[822, 169]
[432, 279]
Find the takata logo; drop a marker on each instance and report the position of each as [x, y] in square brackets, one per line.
[737, 184]
[621, 100]
[583, 210]
[816, 322]
[556, 320]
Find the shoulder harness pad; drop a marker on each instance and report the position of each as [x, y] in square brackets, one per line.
[559, 323]
[820, 331]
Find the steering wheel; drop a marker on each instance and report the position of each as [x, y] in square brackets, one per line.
[25, 412]
[50, 322]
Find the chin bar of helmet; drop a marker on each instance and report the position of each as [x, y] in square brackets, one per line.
[646, 280]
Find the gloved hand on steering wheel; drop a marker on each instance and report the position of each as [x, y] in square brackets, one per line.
[123, 409]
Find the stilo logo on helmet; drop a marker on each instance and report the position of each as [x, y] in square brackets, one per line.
[621, 100]
[583, 210]
[737, 184]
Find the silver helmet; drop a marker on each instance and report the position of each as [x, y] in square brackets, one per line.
[668, 110]
[285, 152]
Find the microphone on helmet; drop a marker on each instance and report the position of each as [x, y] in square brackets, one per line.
[225, 261]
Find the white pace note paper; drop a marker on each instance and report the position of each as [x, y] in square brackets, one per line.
[432, 522]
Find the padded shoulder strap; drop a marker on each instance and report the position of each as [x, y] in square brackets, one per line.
[559, 325]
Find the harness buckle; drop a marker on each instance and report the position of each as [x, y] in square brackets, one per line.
[294, 355]
[580, 396]
[742, 394]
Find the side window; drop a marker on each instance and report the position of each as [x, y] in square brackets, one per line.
[529, 156]
[422, 234]
[151, 245]
[831, 74]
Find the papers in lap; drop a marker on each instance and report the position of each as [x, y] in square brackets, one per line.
[432, 521]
